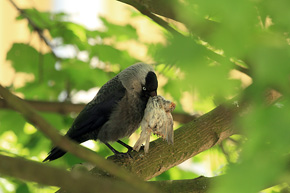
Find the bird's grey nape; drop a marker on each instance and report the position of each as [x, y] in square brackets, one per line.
[134, 76]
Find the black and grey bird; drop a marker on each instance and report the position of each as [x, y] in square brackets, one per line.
[116, 111]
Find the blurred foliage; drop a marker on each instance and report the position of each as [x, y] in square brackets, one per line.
[196, 66]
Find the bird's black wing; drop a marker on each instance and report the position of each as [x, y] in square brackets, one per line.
[98, 111]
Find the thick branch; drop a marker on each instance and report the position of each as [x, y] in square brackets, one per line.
[63, 142]
[66, 108]
[73, 182]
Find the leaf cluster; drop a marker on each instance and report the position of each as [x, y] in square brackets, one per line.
[256, 35]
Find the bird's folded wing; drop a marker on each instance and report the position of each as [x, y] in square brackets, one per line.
[98, 111]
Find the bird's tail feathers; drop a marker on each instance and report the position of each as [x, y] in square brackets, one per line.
[54, 154]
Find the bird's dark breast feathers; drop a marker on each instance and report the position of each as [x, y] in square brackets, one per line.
[124, 120]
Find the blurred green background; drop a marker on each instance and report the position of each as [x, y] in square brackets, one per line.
[198, 70]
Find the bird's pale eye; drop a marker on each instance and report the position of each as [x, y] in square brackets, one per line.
[144, 88]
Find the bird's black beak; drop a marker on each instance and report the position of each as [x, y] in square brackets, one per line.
[153, 93]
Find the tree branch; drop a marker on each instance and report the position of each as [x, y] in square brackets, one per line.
[78, 180]
[63, 142]
[142, 9]
[67, 107]
[189, 140]
[73, 182]
[49, 106]
[160, 7]
[165, 8]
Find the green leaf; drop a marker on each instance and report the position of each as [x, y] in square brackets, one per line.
[22, 188]
[39, 20]
[193, 60]
[24, 58]
[70, 33]
[270, 56]
[39, 91]
[112, 55]
[278, 12]
[82, 76]
[120, 32]
[11, 120]
[264, 157]
[47, 65]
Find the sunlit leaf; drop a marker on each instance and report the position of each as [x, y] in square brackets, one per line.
[112, 55]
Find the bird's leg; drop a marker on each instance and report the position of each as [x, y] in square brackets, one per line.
[117, 153]
[125, 145]
[112, 149]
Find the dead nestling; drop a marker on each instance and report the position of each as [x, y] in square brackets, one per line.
[157, 120]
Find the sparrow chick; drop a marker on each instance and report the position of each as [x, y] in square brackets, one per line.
[157, 120]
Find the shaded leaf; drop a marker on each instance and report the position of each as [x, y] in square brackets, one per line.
[24, 58]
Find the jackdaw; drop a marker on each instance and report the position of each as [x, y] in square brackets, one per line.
[116, 111]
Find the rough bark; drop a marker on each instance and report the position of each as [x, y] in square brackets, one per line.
[197, 185]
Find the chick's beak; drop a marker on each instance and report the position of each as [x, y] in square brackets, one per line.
[153, 93]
